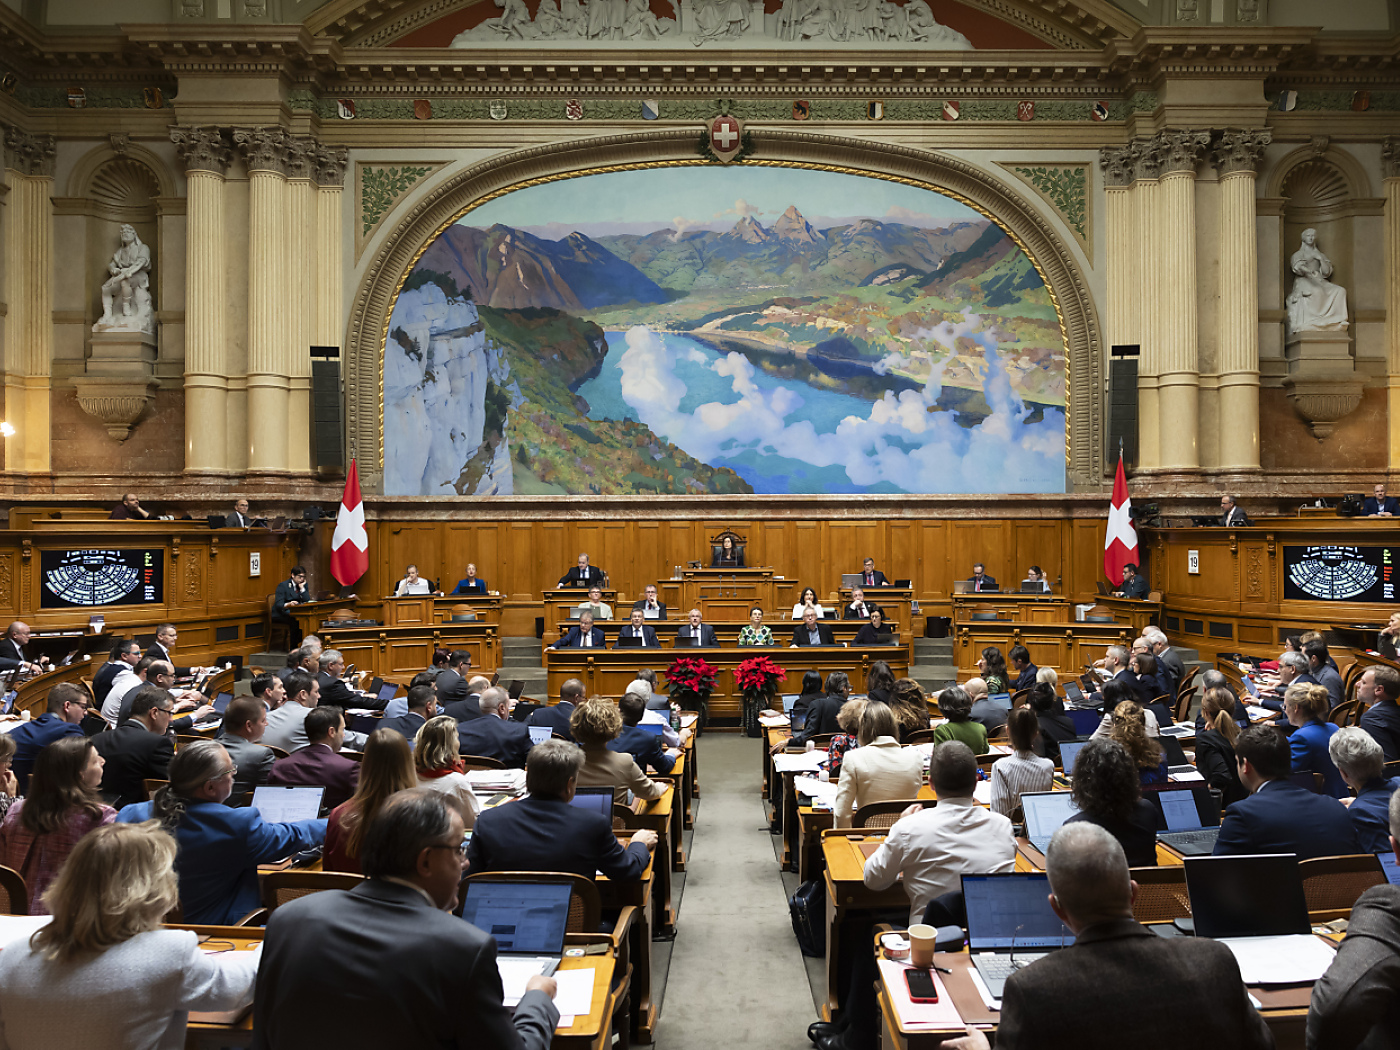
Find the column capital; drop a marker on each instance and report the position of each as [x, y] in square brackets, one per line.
[1239, 149]
[331, 162]
[1116, 162]
[1390, 157]
[300, 157]
[1180, 150]
[263, 149]
[1145, 159]
[202, 148]
[29, 154]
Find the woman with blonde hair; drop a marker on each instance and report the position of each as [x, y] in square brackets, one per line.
[63, 805]
[1130, 732]
[387, 768]
[437, 761]
[879, 770]
[1048, 676]
[1306, 707]
[9, 786]
[104, 974]
[1215, 745]
[595, 724]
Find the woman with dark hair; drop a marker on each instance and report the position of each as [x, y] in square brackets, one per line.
[62, 806]
[875, 632]
[1215, 745]
[808, 600]
[386, 768]
[822, 715]
[220, 846]
[810, 694]
[991, 666]
[754, 632]
[910, 708]
[1130, 731]
[1056, 727]
[9, 786]
[956, 706]
[1023, 770]
[440, 659]
[879, 683]
[727, 556]
[1108, 793]
[846, 738]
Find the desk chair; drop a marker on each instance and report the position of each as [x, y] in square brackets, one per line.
[1347, 713]
[282, 887]
[276, 751]
[1182, 711]
[1161, 894]
[181, 739]
[152, 786]
[1350, 677]
[884, 814]
[1332, 884]
[14, 895]
[1391, 769]
[471, 762]
[1019, 698]
[920, 736]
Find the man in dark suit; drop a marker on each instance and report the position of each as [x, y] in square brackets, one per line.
[469, 706]
[811, 632]
[451, 682]
[1380, 505]
[871, 576]
[645, 747]
[543, 832]
[1230, 513]
[653, 608]
[1379, 688]
[320, 763]
[422, 705]
[494, 735]
[290, 593]
[695, 632]
[636, 635]
[584, 575]
[245, 722]
[1026, 671]
[980, 581]
[582, 636]
[12, 654]
[434, 976]
[1115, 662]
[65, 707]
[1322, 670]
[138, 749]
[1133, 585]
[124, 656]
[306, 658]
[239, 519]
[334, 691]
[1169, 665]
[557, 716]
[1279, 816]
[1075, 997]
[162, 646]
[859, 608]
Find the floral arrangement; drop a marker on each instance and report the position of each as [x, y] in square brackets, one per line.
[759, 674]
[692, 680]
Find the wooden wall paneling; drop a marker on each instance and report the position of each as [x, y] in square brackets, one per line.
[646, 559]
[1035, 543]
[971, 542]
[932, 579]
[9, 587]
[805, 558]
[774, 544]
[478, 543]
[901, 559]
[554, 554]
[409, 543]
[1086, 545]
[520, 578]
[849, 544]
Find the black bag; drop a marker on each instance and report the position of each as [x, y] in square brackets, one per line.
[808, 909]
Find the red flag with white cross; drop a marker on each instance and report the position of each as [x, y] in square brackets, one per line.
[1120, 545]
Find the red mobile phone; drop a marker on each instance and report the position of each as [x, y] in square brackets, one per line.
[921, 986]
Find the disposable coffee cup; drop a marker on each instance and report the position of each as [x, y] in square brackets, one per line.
[922, 939]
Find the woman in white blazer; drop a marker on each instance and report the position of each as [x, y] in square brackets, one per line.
[879, 770]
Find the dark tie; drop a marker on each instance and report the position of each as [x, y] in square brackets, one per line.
[869, 579]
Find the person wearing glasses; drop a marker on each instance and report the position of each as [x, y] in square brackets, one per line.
[66, 705]
[433, 976]
[220, 846]
[139, 749]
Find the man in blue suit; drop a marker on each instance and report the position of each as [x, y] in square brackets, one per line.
[494, 735]
[1380, 505]
[422, 705]
[1279, 816]
[584, 636]
[636, 634]
[641, 744]
[543, 832]
[67, 704]
[557, 716]
[1361, 763]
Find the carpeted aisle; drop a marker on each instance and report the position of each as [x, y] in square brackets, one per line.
[737, 977]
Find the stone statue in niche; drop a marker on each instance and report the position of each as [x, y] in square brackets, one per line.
[1315, 304]
[126, 296]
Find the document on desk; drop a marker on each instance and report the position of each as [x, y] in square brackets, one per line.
[1184, 776]
[799, 761]
[940, 1015]
[982, 793]
[774, 721]
[491, 781]
[822, 790]
[1179, 730]
[1291, 959]
[1256, 713]
[574, 996]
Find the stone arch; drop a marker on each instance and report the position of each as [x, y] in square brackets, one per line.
[80, 180]
[421, 223]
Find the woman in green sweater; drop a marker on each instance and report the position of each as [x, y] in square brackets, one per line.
[956, 706]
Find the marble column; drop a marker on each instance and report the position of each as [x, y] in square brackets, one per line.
[1236, 154]
[1390, 162]
[29, 163]
[264, 151]
[1178, 376]
[300, 279]
[1122, 239]
[1143, 156]
[206, 156]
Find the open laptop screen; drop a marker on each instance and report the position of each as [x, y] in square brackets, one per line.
[1068, 750]
[1247, 896]
[282, 805]
[525, 917]
[789, 701]
[387, 691]
[1185, 807]
[539, 734]
[1391, 866]
[597, 799]
[1045, 812]
[1011, 911]
[221, 702]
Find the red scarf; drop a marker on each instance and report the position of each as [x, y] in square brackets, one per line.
[458, 766]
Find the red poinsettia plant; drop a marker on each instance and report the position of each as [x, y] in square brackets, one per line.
[691, 674]
[759, 674]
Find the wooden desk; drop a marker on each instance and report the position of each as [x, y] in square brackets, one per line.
[638, 894]
[389, 651]
[661, 816]
[727, 632]
[403, 612]
[1136, 611]
[846, 893]
[558, 602]
[896, 603]
[1013, 606]
[727, 594]
[1066, 647]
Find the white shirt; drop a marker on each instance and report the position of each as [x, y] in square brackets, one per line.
[458, 788]
[600, 610]
[882, 772]
[932, 848]
[418, 586]
[799, 609]
[124, 683]
[668, 735]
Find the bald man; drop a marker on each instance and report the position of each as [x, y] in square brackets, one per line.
[12, 655]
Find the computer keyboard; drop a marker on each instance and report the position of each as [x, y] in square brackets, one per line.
[996, 969]
[1191, 842]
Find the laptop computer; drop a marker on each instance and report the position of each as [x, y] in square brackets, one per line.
[221, 702]
[797, 722]
[628, 641]
[1073, 693]
[1085, 720]
[387, 691]
[375, 684]
[1173, 753]
[1102, 588]
[597, 799]
[1010, 924]
[789, 701]
[852, 579]
[1068, 750]
[283, 805]
[1189, 816]
[1033, 587]
[539, 734]
[528, 920]
[1045, 812]
[1247, 896]
[1251, 687]
[962, 587]
[1390, 866]
[656, 729]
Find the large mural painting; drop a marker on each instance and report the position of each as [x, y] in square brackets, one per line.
[723, 330]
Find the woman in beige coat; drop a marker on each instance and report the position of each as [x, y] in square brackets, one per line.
[595, 723]
[879, 770]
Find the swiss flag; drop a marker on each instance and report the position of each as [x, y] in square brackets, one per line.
[1120, 538]
[350, 544]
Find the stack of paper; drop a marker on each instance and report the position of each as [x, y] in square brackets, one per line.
[942, 1015]
[1290, 959]
[982, 793]
[799, 761]
[823, 790]
[773, 721]
[491, 781]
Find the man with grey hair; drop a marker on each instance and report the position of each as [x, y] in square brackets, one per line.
[1213, 679]
[1167, 660]
[305, 658]
[494, 735]
[1292, 668]
[333, 689]
[657, 714]
[1357, 1001]
[1077, 997]
[1115, 665]
[1361, 762]
[543, 832]
[1230, 512]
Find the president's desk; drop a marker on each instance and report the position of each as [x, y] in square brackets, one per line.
[607, 672]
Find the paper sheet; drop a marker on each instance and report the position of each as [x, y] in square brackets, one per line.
[1256, 712]
[982, 793]
[991, 1002]
[575, 994]
[941, 1015]
[773, 721]
[1291, 959]
[1181, 778]
[1179, 730]
[825, 790]
[689, 720]
[799, 761]
[17, 927]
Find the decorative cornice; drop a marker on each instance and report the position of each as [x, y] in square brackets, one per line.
[1117, 165]
[1180, 150]
[263, 149]
[1390, 156]
[202, 149]
[29, 154]
[330, 165]
[1239, 149]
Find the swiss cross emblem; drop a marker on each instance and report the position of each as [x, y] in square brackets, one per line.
[726, 137]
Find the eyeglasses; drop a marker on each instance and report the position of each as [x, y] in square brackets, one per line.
[460, 847]
[164, 710]
[230, 771]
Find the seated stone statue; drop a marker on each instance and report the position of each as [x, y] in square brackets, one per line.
[1315, 304]
[126, 296]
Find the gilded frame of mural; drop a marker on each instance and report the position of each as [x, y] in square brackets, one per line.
[422, 223]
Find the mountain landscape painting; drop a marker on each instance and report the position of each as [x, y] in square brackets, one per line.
[718, 330]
